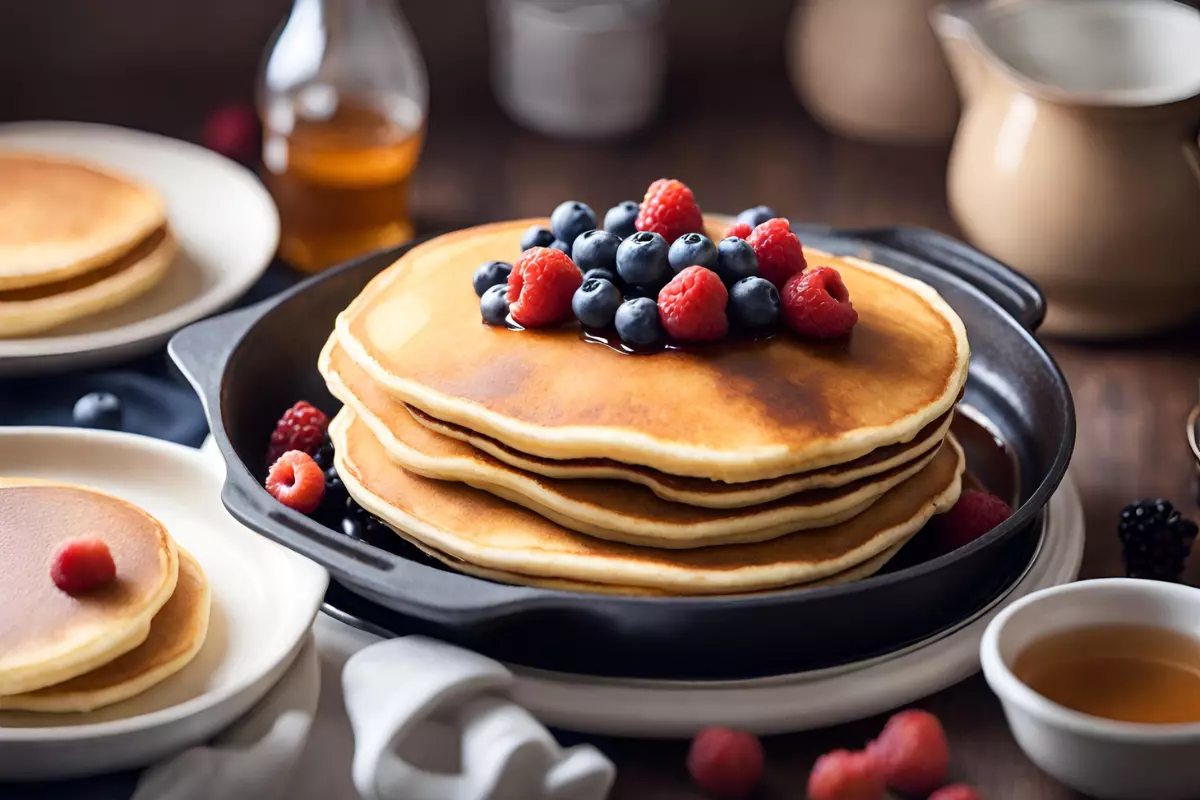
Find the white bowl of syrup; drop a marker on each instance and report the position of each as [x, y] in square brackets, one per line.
[1100, 683]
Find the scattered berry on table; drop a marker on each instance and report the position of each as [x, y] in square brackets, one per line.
[735, 260]
[99, 410]
[816, 303]
[296, 481]
[536, 236]
[725, 763]
[956, 791]
[570, 219]
[754, 306]
[595, 250]
[596, 302]
[692, 249]
[843, 775]
[912, 753]
[637, 322]
[972, 516]
[692, 306]
[560, 245]
[738, 230]
[493, 273]
[779, 252]
[756, 216]
[609, 275]
[540, 287]
[493, 306]
[302, 427]
[621, 219]
[234, 132]
[81, 566]
[642, 260]
[669, 209]
[1155, 540]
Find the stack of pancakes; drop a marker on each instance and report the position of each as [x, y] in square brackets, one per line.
[540, 458]
[64, 653]
[75, 239]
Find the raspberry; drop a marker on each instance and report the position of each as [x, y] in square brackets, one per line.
[816, 303]
[302, 427]
[779, 252]
[296, 481]
[83, 565]
[540, 287]
[692, 306]
[669, 209]
[739, 229]
[725, 763]
[957, 791]
[972, 516]
[842, 775]
[912, 752]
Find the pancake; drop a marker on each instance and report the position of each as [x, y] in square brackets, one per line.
[176, 635]
[34, 309]
[46, 635]
[60, 217]
[733, 411]
[614, 510]
[493, 534]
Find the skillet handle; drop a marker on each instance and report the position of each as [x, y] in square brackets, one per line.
[200, 350]
[1012, 291]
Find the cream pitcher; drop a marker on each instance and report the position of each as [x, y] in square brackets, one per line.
[1076, 157]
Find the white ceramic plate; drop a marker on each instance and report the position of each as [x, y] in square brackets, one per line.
[265, 598]
[226, 223]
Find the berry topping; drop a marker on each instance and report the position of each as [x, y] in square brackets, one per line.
[324, 455]
[82, 566]
[99, 410]
[735, 260]
[493, 306]
[571, 219]
[596, 302]
[296, 481]
[738, 230]
[692, 306]
[842, 775]
[637, 322]
[595, 250]
[493, 273]
[972, 516]
[756, 216]
[621, 219]
[779, 253]
[609, 275]
[540, 287]
[912, 753]
[725, 763]
[642, 260]
[754, 306]
[561, 246]
[302, 427]
[536, 236]
[692, 249]
[1155, 540]
[816, 303]
[956, 791]
[670, 210]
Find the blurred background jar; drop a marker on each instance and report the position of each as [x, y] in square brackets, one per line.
[342, 96]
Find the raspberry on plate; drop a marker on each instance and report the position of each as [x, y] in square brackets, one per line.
[669, 209]
[816, 303]
[739, 230]
[972, 516]
[302, 427]
[912, 752]
[83, 565]
[692, 306]
[296, 481]
[779, 252]
[957, 791]
[725, 763]
[540, 287]
[842, 775]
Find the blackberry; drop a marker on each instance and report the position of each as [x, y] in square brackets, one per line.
[1155, 540]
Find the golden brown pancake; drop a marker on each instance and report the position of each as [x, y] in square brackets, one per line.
[731, 411]
[176, 635]
[46, 635]
[61, 217]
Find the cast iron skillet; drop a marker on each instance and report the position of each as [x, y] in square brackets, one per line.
[250, 364]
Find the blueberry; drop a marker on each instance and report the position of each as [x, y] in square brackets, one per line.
[595, 303]
[536, 236]
[354, 527]
[692, 249]
[642, 260]
[620, 219]
[638, 323]
[324, 456]
[735, 260]
[99, 410]
[494, 305]
[609, 275]
[633, 292]
[757, 215]
[754, 305]
[571, 219]
[493, 273]
[559, 244]
[595, 250]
